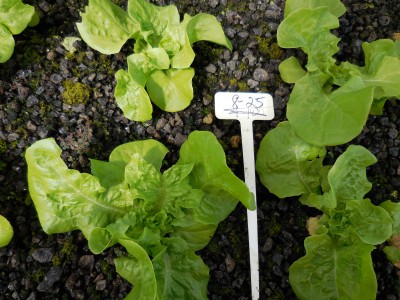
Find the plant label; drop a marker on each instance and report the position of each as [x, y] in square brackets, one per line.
[244, 106]
[247, 107]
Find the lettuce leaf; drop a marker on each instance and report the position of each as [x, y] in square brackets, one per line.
[339, 115]
[284, 157]
[335, 7]
[309, 29]
[15, 16]
[106, 27]
[331, 266]
[6, 232]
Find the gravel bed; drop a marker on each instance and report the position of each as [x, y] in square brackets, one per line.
[33, 106]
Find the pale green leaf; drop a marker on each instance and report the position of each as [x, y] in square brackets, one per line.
[15, 15]
[386, 76]
[335, 7]
[154, 20]
[205, 27]
[372, 223]
[132, 98]
[212, 175]
[347, 178]
[140, 68]
[137, 268]
[196, 236]
[291, 70]
[180, 275]
[393, 254]
[332, 269]
[171, 90]
[6, 232]
[169, 192]
[184, 58]
[393, 208]
[68, 43]
[151, 151]
[287, 165]
[309, 29]
[66, 199]
[106, 27]
[339, 115]
[159, 58]
[7, 44]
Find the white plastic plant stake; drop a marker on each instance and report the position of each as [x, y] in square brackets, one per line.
[247, 107]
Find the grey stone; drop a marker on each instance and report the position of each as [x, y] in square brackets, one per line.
[260, 75]
[43, 255]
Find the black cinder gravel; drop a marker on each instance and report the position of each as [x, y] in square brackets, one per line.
[60, 266]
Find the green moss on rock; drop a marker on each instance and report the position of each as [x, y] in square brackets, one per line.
[75, 93]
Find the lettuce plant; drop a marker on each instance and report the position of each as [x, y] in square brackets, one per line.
[335, 98]
[161, 218]
[15, 16]
[6, 232]
[159, 69]
[329, 105]
[338, 263]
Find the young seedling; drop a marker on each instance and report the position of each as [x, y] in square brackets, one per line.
[247, 107]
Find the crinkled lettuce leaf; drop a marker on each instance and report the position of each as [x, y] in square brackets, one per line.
[372, 223]
[346, 180]
[335, 7]
[334, 268]
[309, 29]
[15, 15]
[67, 199]
[106, 27]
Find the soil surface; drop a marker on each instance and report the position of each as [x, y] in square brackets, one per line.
[33, 106]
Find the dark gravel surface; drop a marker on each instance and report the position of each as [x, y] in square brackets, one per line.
[37, 266]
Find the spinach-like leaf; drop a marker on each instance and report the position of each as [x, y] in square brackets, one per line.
[284, 157]
[323, 117]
